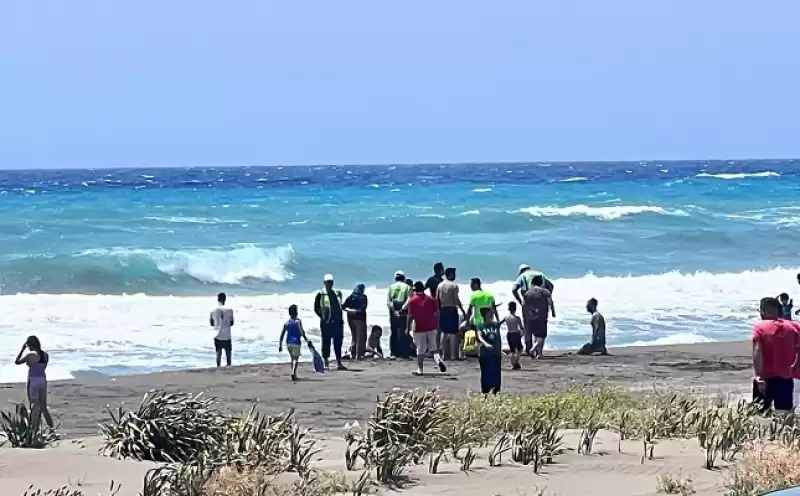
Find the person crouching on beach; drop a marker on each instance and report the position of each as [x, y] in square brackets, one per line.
[776, 349]
[597, 346]
[374, 342]
[514, 335]
[295, 336]
[36, 359]
[222, 321]
[424, 317]
[490, 354]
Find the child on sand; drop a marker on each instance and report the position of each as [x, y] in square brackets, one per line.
[514, 335]
[786, 306]
[294, 332]
[374, 342]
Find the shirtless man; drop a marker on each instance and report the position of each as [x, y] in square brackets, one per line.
[537, 304]
[597, 346]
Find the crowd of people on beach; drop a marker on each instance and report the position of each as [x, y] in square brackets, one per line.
[427, 320]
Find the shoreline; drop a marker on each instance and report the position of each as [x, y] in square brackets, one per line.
[325, 402]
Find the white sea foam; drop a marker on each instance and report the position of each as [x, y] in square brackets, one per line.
[147, 333]
[573, 179]
[470, 212]
[739, 175]
[482, 190]
[227, 266]
[188, 220]
[604, 213]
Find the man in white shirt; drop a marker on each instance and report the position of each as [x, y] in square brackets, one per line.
[222, 321]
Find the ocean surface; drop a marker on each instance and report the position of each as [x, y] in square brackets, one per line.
[116, 270]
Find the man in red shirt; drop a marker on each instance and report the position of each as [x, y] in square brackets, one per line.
[423, 314]
[776, 347]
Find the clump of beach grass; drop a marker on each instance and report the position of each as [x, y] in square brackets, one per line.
[23, 429]
[675, 484]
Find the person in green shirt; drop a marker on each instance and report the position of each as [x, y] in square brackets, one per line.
[490, 355]
[480, 299]
[396, 297]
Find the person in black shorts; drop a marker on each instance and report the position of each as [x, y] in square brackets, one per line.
[514, 335]
[221, 319]
[538, 303]
[776, 348]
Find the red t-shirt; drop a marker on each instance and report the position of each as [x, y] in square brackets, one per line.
[779, 342]
[424, 310]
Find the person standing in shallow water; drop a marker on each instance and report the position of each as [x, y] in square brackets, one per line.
[328, 307]
[222, 320]
[356, 307]
[36, 359]
[597, 346]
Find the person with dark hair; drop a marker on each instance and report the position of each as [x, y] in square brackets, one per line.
[538, 301]
[786, 306]
[514, 335]
[449, 301]
[522, 285]
[328, 307]
[433, 281]
[397, 296]
[222, 320]
[423, 315]
[36, 359]
[295, 336]
[478, 300]
[597, 346]
[490, 354]
[374, 342]
[356, 307]
[776, 349]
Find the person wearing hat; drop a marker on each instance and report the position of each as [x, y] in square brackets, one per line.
[396, 297]
[328, 307]
[524, 283]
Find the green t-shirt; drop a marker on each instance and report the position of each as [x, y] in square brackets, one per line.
[480, 299]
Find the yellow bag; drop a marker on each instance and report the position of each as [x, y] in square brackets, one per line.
[471, 343]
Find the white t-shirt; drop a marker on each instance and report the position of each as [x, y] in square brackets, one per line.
[222, 318]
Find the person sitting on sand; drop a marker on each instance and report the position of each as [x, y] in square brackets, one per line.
[356, 307]
[295, 336]
[36, 359]
[328, 307]
[538, 301]
[786, 306]
[374, 342]
[490, 354]
[514, 335]
[222, 321]
[597, 346]
[423, 315]
[776, 349]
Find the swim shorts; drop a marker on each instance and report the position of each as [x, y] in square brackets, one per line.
[514, 341]
[222, 344]
[449, 320]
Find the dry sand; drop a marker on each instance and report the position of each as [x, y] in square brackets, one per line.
[326, 401]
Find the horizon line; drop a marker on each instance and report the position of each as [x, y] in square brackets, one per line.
[457, 164]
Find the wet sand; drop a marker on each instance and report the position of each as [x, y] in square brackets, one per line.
[326, 401]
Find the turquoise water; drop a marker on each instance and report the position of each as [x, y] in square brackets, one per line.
[675, 251]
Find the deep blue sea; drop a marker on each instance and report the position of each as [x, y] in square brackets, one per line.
[116, 269]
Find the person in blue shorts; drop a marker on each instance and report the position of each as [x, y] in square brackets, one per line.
[295, 335]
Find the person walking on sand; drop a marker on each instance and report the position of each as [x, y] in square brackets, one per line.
[222, 320]
[295, 336]
[356, 307]
[36, 359]
[397, 296]
[328, 307]
[449, 301]
[423, 315]
[490, 355]
[523, 283]
[776, 349]
[597, 346]
[514, 335]
[538, 301]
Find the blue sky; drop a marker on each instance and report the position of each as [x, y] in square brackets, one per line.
[122, 83]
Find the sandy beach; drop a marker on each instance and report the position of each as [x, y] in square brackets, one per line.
[325, 402]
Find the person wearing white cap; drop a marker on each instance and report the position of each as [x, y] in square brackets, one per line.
[396, 298]
[328, 307]
[523, 283]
